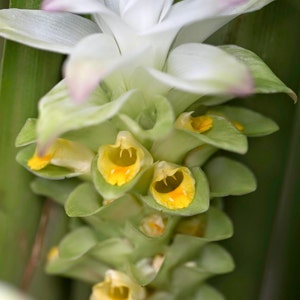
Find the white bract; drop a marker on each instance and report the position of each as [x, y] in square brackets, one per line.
[132, 44]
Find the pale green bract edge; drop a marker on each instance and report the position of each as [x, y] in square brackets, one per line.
[229, 177]
[264, 79]
[58, 114]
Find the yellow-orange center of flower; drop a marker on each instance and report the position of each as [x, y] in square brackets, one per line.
[153, 225]
[37, 162]
[53, 253]
[202, 123]
[118, 292]
[117, 286]
[118, 165]
[237, 125]
[175, 190]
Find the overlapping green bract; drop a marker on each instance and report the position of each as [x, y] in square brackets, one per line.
[158, 105]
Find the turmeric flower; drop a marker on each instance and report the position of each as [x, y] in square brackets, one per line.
[64, 153]
[117, 286]
[198, 124]
[121, 162]
[172, 186]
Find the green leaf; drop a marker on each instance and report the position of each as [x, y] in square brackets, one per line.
[55, 189]
[27, 135]
[219, 225]
[199, 204]
[108, 219]
[213, 225]
[182, 249]
[77, 243]
[119, 210]
[162, 296]
[146, 118]
[212, 259]
[112, 251]
[199, 155]
[229, 177]
[265, 80]
[49, 172]
[59, 114]
[83, 201]
[94, 136]
[174, 146]
[79, 269]
[147, 246]
[180, 100]
[206, 292]
[222, 135]
[254, 124]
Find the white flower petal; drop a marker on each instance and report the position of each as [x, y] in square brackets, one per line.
[189, 11]
[112, 24]
[143, 14]
[75, 6]
[93, 59]
[57, 32]
[106, 15]
[205, 69]
[202, 29]
[90, 61]
[182, 14]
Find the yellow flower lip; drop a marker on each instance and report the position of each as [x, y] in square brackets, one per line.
[37, 162]
[64, 153]
[198, 124]
[121, 162]
[172, 186]
[117, 286]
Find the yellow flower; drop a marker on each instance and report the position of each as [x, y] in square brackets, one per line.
[53, 253]
[121, 162]
[64, 153]
[172, 186]
[153, 225]
[238, 125]
[197, 124]
[117, 286]
[37, 162]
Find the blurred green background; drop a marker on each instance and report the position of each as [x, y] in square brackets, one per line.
[266, 242]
